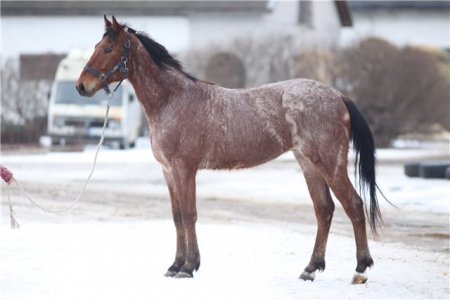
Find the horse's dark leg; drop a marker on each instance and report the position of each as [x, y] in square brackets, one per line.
[184, 178]
[353, 206]
[324, 208]
[180, 255]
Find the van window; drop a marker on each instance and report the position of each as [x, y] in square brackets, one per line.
[66, 93]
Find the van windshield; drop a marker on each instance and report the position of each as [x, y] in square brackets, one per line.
[66, 93]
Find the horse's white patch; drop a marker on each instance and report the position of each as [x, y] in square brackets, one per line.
[273, 133]
[301, 106]
[90, 85]
[291, 106]
[340, 160]
[346, 117]
[262, 107]
[359, 278]
[308, 276]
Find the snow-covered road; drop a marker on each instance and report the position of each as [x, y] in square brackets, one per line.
[256, 232]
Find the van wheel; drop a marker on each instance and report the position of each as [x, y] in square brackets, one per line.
[127, 145]
[124, 145]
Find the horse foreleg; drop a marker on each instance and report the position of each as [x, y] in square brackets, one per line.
[324, 209]
[184, 178]
[180, 255]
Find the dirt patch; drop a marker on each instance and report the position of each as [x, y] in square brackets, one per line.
[428, 231]
[435, 235]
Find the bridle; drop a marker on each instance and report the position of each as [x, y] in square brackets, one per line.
[121, 66]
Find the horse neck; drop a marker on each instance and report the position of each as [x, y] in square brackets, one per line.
[154, 87]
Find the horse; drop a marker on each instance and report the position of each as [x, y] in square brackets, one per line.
[195, 124]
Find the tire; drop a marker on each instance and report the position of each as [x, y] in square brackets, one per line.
[124, 145]
[434, 170]
[412, 169]
[447, 173]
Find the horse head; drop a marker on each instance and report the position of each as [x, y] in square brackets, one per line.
[109, 61]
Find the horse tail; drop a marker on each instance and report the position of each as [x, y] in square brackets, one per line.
[364, 146]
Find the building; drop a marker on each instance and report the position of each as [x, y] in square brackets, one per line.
[423, 23]
[44, 27]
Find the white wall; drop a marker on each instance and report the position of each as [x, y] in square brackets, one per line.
[61, 34]
[327, 24]
[401, 28]
[178, 33]
[217, 29]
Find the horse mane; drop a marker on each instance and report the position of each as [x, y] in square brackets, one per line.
[162, 58]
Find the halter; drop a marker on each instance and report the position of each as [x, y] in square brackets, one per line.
[120, 66]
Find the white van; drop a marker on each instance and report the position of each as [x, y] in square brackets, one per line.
[75, 118]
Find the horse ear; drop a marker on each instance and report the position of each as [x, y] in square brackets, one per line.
[115, 25]
[107, 22]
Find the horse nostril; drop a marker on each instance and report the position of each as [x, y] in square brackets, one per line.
[80, 88]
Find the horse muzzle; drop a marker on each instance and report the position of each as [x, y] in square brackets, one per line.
[85, 90]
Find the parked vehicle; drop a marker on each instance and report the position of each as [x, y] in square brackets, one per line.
[72, 118]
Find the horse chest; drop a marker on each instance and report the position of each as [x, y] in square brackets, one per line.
[175, 142]
[160, 146]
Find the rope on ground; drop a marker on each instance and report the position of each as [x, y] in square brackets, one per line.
[8, 177]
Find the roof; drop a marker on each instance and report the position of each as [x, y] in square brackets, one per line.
[398, 5]
[168, 7]
[148, 7]
[39, 66]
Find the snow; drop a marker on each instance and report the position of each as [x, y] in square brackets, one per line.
[73, 257]
[239, 261]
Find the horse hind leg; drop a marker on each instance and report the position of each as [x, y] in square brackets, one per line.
[324, 209]
[354, 208]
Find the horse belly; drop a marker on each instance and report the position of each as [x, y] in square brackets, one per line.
[244, 151]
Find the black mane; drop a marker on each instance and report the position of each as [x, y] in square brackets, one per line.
[158, 52]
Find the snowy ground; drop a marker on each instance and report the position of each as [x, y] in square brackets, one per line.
[256, 232]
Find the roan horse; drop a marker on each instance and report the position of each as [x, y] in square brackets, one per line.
[198, 125]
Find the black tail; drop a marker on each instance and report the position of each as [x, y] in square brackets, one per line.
[365, 162]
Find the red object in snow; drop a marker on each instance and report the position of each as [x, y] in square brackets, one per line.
[6, 174]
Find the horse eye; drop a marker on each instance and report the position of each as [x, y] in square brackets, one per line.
[107, 50]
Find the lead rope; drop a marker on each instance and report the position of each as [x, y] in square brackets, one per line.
[14, 223]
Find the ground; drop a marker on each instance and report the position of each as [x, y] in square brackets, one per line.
[256, 232]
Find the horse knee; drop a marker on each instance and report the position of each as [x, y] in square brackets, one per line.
[178, 220]
[325, 210]
[330, 209]
[355, 210]
[190, 218]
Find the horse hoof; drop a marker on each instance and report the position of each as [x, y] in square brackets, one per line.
[308, 276]
[182, 274]
[359, 278]
[170, 273]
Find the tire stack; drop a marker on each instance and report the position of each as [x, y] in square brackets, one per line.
[429, 170]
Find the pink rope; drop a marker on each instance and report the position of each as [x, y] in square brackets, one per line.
[8, 177]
